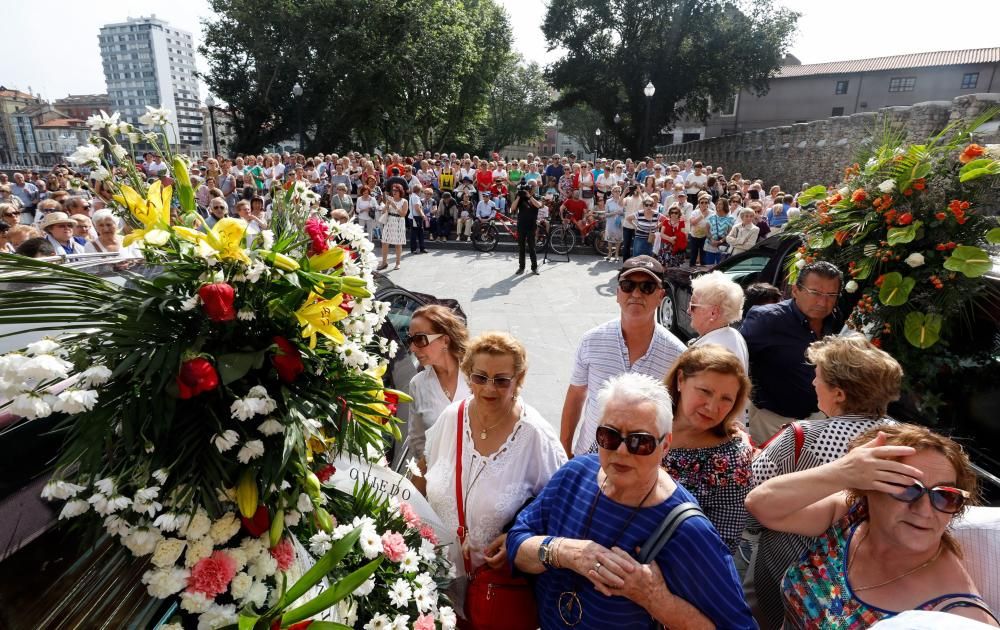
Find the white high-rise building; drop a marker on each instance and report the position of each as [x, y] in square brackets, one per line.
[149, 62]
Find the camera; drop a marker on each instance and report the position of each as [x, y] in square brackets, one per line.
[524, 190]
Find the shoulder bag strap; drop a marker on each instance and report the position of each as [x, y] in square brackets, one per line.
[462, 530]
[665, 531]
[800, 440]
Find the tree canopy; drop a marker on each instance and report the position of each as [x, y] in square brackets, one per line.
[695, 52]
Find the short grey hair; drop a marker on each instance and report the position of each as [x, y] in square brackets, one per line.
[717, 289]
[104, 215]
[632, 388]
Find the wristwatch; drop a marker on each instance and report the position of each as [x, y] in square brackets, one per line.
[543, 551]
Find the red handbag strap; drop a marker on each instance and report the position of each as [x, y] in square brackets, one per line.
[459, 437]
[799, 434]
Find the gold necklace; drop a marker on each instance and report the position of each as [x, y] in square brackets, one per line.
[482, 432]
[857, 550]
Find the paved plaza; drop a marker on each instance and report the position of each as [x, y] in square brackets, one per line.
[548, 313]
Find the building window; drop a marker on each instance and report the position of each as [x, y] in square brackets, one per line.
[902, 84]
[689, 137]
[969, 80]
[841, 87]
[838, 111]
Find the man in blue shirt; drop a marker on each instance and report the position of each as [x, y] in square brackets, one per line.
[554, 169]
[485, 209]
[777, 336]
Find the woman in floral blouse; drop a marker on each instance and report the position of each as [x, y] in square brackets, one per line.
[710, 455]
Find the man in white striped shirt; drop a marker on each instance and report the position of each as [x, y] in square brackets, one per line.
[634, 342]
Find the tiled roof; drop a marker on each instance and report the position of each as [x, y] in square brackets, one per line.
[63, 122]
[895, 62]
[8, 93]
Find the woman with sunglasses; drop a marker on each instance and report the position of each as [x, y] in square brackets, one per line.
[394, 225]
[710, 454]
[646, 224]
[437, 338]
[508, 453]
[879, 548]
[673, 240]
[855, 382]
[580, 535]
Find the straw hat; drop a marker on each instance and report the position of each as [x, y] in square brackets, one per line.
[56, 218]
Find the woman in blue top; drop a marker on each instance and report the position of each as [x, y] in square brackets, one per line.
[719, 225]
[581, 533]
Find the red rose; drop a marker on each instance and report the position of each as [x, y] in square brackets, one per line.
[905, 219]
[859, 195]
[287, 360]
[196, 377]
[259, 523]
[217, 301]
[324, 473]
[319, 234]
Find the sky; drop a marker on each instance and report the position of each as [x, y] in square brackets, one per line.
[52, 48]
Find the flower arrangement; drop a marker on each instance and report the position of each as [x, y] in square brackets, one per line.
[203, 402]
[910, 226]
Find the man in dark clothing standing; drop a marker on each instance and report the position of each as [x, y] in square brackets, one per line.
[526, 206]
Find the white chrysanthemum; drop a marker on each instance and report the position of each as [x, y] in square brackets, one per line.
[99, 173]
[240, 586]
[400, 593]
[887, 186]
[410, 562]
[226, 441]
[169, 522]
[245, 315]
[255, 271]
[258, 594]
[145, 501]
[105, 486]
[94, 376]
[423, 600]
[224, 529]
[251, 450]
[319, 544]
[73, 401]
[304, 504]
[217, 616]
[366, 588]
[378, 622]
[447, 618]
[160, 474]
[198, 527]
[243, 408]
[74, 508]
[267, 238]
[167, 551]
[194, 602]
[85, 154]
[141, 541]
[44, 346]
[45, 367]
[425, 580]
[371, 543]
[341, 530]
[97, 122]
[197, 551]
[413, 467]
[400, 622]
[119, 152]
[57, 489]
[427, 551]
[347, 612]
[163, 583]
[109, 505]
[29, 406]
[116, 525]
[270, 427]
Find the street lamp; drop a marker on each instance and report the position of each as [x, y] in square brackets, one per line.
[297, 91]
[649, 91]
[385, 127]
[597, 152]
[618, 119]
[210, 104]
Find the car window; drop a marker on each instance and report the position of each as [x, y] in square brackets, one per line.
[745, 271]
[401, 308]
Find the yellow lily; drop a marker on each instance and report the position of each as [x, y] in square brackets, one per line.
[153, 212]
[226, 239]
[330, 258]
[317, 315]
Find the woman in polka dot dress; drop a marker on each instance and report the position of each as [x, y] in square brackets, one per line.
[855, 382]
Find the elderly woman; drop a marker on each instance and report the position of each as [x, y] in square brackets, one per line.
[108, 238]
[9, 214]
[710, 454]
[580, 534]
[716, 302]
[673, 239]
[58, 228]
[743, 235]
[719, 225]
[880, 548]
[855, 382]
[503, 451]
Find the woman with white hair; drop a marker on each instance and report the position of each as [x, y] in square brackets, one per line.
[580, 535]
[108, 238]
[716, 302]
[743, 234]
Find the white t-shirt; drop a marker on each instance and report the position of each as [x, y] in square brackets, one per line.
[730, 339]
[429, 400]
[695, 183]
[494, 487]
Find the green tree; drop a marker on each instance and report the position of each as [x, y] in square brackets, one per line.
[693, 51]
[518, 100]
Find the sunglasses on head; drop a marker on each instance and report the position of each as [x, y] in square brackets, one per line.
[648, 287]
[638, 443]
[500, 382]
[943, 498]
[421, 340]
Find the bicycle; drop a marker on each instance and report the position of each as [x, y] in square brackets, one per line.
[485, 237]
[563, 237]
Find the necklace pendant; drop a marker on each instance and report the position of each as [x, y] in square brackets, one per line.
[482, 435]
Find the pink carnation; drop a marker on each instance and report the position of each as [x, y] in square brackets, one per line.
[318, 233]
[284, 553]
[424, 622]
[409, 515]
[393, 546]
[211, 576]
[427, 533]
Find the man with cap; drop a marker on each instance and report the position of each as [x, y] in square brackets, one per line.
[58, 228]
[633, 342]
[485, 209]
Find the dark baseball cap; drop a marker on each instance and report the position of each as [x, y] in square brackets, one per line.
[642, 264]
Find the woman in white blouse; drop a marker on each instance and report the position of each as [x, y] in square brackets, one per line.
[716, 302]
[437, 338]
[509, 452]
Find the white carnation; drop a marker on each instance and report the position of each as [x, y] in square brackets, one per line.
[887, 186]
[29, 406]
[366, 588]
[198, 527]
[319, 544]
[43, 346]
[197, 551]
[251, 450]
[167, 551]
[240, 586]
[447, 618]
[263, 566]
[257, 595]
[292, 518]
[45, 367]
[217, 616]
[194, 602]
[141, 541]
[304, 503]
[341, 530]
[190, 303]
[271, 427]
[163, 583]
[94, 376]
[851, 286]
[226, 441]
[224, 528]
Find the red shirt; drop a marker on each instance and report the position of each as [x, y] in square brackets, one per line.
[576, 208]
[669, 230]
[484, 180]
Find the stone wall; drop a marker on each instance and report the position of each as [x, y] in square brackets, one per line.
[817, 152]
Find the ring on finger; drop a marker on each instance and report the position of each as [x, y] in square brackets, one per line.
[597, 567]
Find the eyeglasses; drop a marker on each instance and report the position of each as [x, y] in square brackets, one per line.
[10, 214]
[500, 382]
[692, 306]
[702, 202]
[943, 498]
[815, 293]
[674, 213]
[638, 443]
[648, 287]
[421, 340]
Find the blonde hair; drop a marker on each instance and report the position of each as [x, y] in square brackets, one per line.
[870, 377]
[711, 358]
[498, 344]
[444, 321]
[718, 289]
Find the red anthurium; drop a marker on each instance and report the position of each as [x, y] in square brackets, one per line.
[259, 523]
[287, 360]
[905, 219]
[324, 473]
[217, 301]
[197, 376]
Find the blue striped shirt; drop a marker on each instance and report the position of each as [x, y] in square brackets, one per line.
[696, 564]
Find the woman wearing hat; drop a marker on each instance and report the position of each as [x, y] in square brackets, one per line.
[58, 228]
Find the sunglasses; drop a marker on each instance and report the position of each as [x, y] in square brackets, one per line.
[500, 382]
[421, 340]
[638, 443]
[943, 498]
[648, 287]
